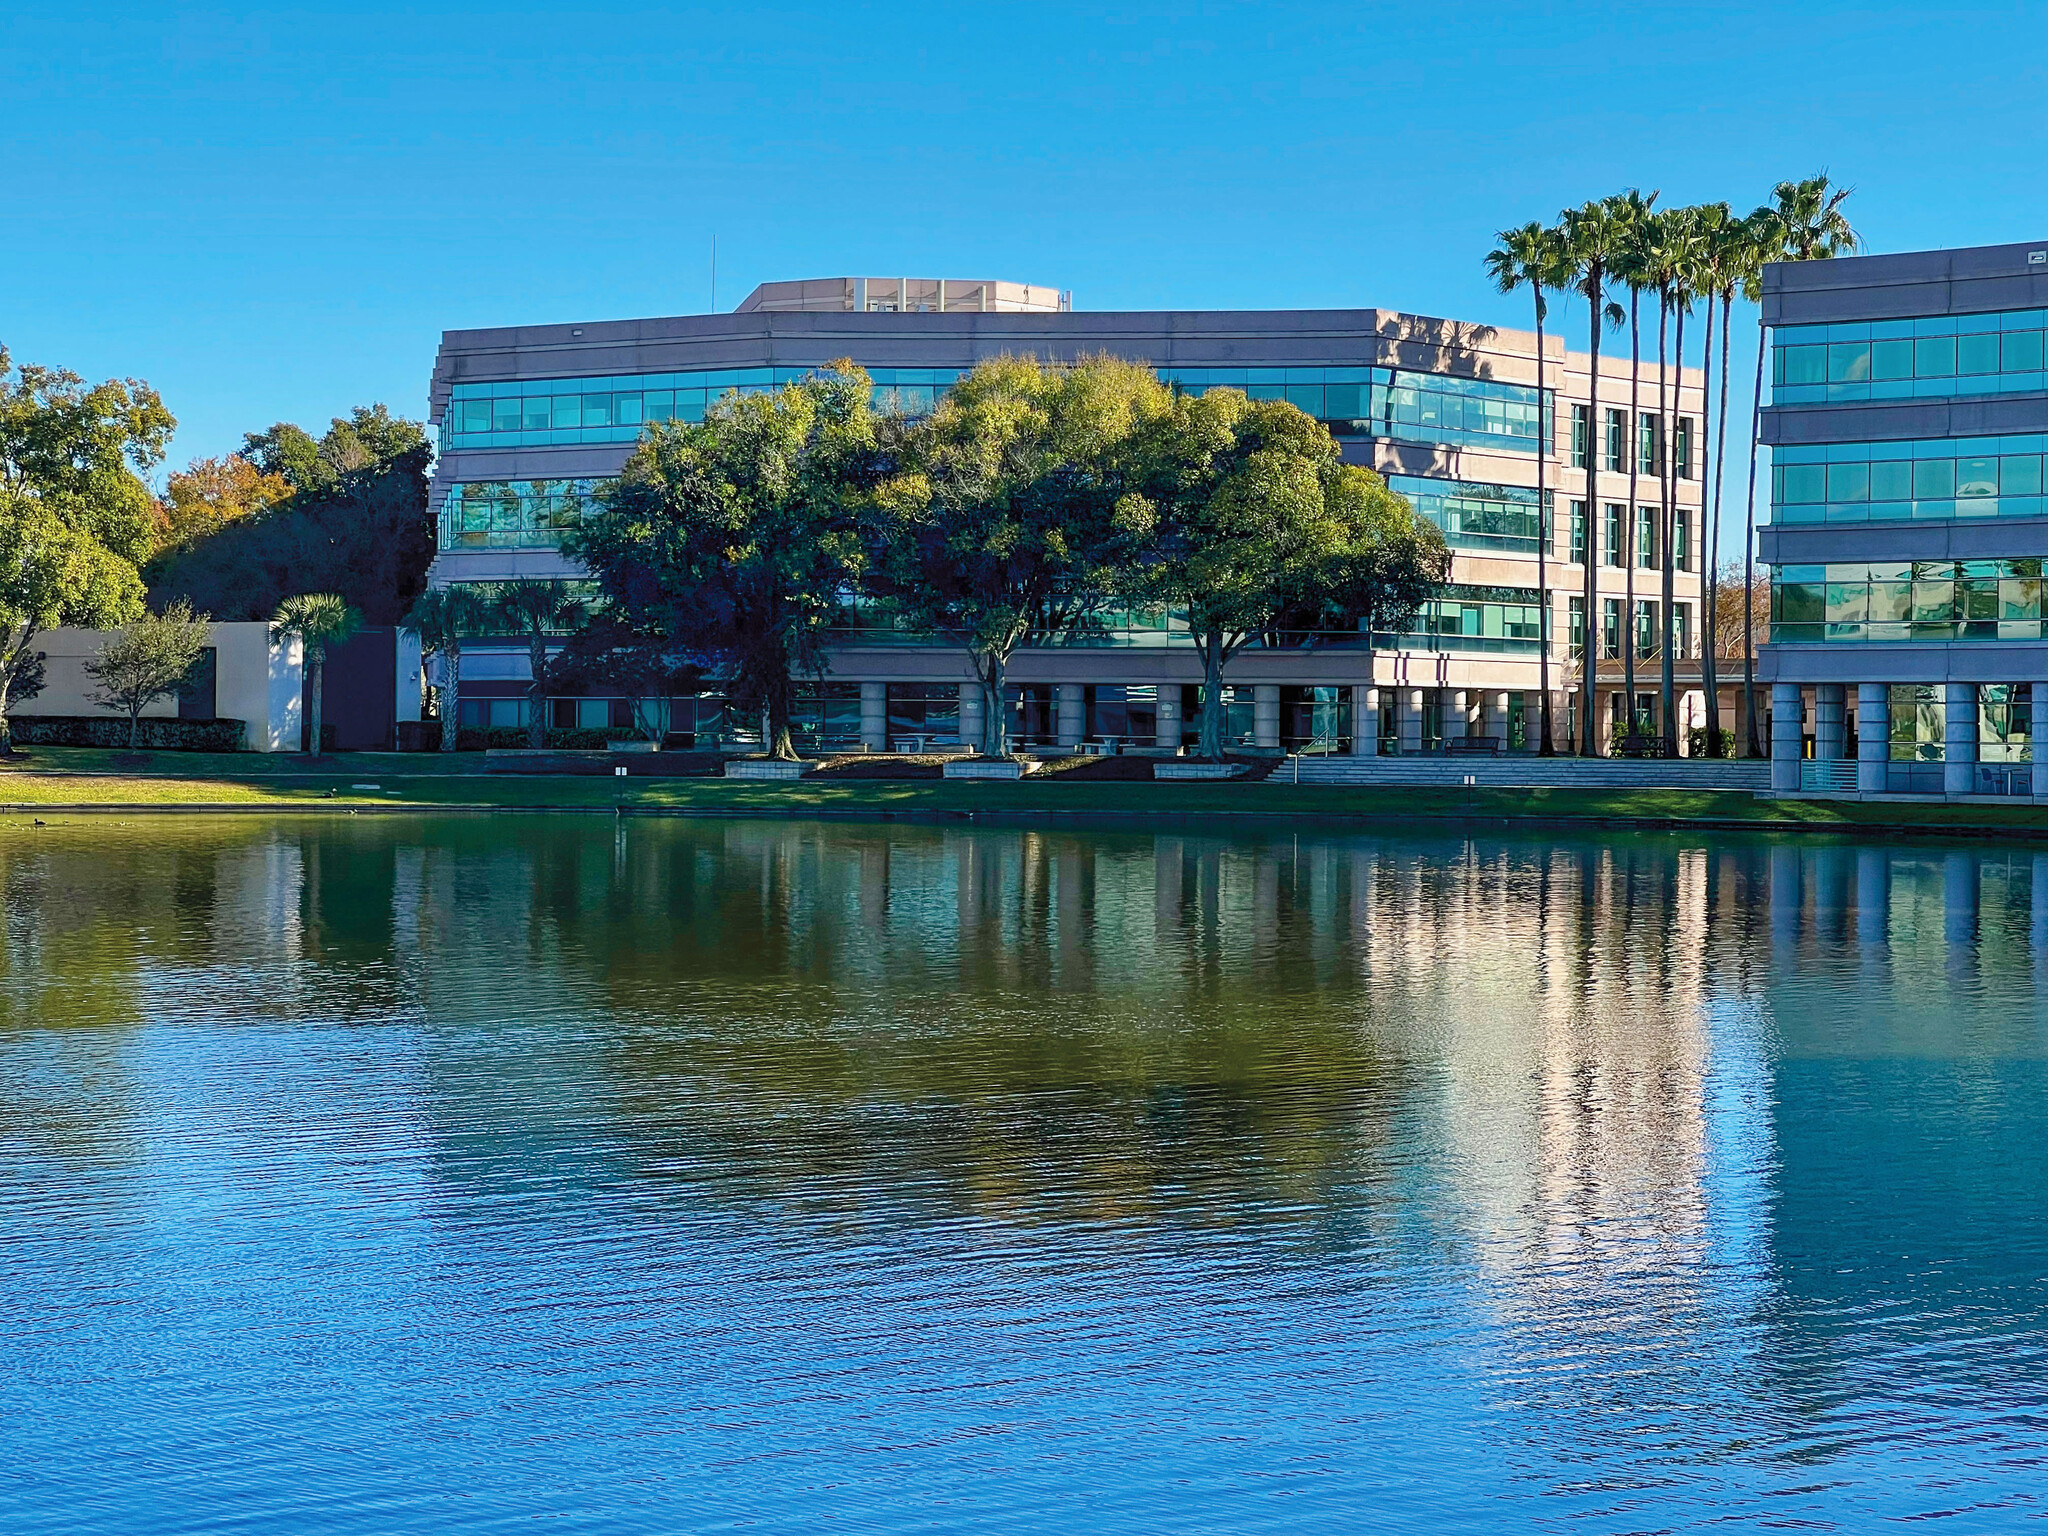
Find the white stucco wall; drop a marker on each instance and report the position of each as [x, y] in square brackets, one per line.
[255, 680]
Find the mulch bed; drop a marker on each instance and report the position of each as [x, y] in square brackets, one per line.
[876, 765]
[1092, 770]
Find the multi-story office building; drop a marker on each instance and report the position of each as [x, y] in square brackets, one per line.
[533, 418]
[1907, 426]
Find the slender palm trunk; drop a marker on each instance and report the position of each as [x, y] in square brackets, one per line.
[1710, 536]
[537, 660]
[1667, 618]
[1752, 743]
[1544, 427]
[1589, 664]
[451, 696]
[316, 669]
[1630, 536]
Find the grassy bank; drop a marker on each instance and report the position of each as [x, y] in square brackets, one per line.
[60, 779]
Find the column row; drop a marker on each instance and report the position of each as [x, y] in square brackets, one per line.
[1962, 725]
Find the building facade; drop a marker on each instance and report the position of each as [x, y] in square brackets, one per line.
[1907, 425]
[533, 419]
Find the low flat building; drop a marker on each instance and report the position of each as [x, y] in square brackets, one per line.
[532, 419]
[1907, 427]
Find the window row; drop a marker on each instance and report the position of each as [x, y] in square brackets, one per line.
[1909, 359]
[1918, 723]
[1919, 600]
[1474, 516]
[1649, 435]
[1929, 478]
[513, 514]
[1361, 401]
[1616, 538]
[1648, 629]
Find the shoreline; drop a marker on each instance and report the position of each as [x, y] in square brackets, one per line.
[1408, 807]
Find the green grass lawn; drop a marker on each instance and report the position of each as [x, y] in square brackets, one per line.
[64, 777]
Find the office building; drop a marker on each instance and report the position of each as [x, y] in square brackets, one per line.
[532, 419]
[1906, 427]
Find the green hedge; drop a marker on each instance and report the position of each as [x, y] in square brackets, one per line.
[473, 739]
[154, 736]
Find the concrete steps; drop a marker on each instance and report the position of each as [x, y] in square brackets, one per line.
[1519, 772]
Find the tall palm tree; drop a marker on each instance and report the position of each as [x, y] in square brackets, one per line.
[536, 610]
[1635, 268]
[442, 618]
[1802, 222]
[1682, 270]
[1719, 262]
[316, 620]
[1535, 258]
[1592, 238]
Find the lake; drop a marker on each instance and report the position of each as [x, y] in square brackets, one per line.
[445, 1174]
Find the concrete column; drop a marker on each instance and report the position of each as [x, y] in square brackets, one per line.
[1873, 736]
[972, 719]
[1785, 731]
[1266, 715]
[1365, 721]
[1456, 714]
[1959, 738]
[2037, 735]
[1830, 722]
[1411, 720]
[1072, 704]
[1496, 724]
[874, 716]
[1166, 732]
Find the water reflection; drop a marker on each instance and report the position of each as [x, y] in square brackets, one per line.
[1644, 1174]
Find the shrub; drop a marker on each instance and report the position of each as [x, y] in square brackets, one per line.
[1696, 743]
[107, 731]
[476, 739]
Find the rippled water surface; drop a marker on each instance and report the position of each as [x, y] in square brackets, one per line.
[394, 1175]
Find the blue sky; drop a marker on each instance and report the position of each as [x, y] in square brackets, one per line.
[272, 213]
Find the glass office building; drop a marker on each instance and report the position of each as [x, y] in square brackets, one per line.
[1907, 430]
[532, 420]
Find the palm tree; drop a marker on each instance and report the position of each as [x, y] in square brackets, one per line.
[1634, 266]
[316, 620]
[442, 618]
[1682, 271]
[1592, 238]
[1535, 258]
[537, 610]
[1720, 256]
[1802, 222]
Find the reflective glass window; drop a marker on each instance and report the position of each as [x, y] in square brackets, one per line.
[1934, 357]
[1977, 354]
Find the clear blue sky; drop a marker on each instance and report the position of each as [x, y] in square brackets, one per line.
[272, 214]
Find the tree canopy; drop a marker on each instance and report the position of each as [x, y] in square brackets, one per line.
[739, 537]
[1014, 511]
[345, 513]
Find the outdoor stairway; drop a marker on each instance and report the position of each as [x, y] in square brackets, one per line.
[1519, 771]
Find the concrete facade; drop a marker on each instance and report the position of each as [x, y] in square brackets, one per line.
[1286, 352]
[256, 680]
[1945, 706]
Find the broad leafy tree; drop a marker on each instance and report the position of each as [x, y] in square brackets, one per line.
[1013, 515]
[442, 619]
[75, 514]
[352, 520]
[539, 612]
[1263, 533]
[644, 667]
[317, 620]
[737, 539]
[155, 657]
